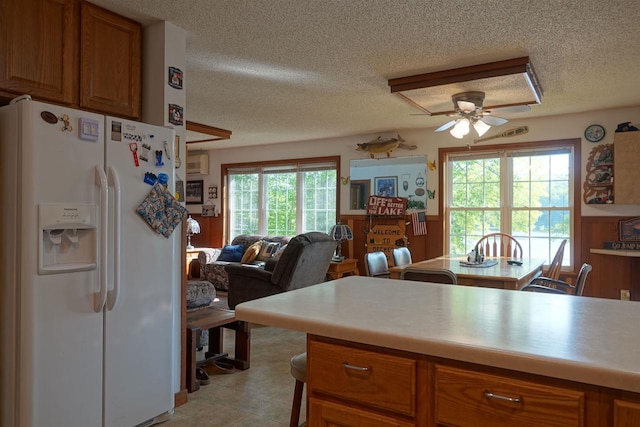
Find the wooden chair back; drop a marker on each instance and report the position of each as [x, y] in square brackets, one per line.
[194, 269]
[556, 262]
[499, 245]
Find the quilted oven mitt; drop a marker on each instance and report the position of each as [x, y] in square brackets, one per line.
[161, 210]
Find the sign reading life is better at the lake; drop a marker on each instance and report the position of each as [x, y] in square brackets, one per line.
[392, 206]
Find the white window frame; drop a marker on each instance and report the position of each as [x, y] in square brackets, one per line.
[494, 151]
[298, 166]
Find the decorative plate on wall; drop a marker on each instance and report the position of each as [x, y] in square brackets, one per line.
[594, 133]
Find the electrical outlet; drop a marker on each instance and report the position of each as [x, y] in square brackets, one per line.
[625, 295]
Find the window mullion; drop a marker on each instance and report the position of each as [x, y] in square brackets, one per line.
[447, 202]
[262, 202]
[300, 202]
[506, 193]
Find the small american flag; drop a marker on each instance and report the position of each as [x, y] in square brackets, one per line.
[419, 220]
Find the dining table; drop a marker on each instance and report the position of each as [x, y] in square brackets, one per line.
[494, 272]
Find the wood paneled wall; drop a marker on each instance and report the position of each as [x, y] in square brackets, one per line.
[211, 228]
[610, 273]
[421, 247]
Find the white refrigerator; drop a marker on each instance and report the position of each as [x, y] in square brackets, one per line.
[88, 327]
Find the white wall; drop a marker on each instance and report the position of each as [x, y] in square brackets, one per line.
[164, 46]
[428, 142]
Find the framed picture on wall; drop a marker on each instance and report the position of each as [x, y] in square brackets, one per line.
[630, 230]
[175, 77]
[386, 186]
[194, 193]
[175, 114]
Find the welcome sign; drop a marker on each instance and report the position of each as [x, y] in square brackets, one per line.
[385, 238]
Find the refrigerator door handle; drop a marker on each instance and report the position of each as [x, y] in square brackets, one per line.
[101, 296]
[113, 296]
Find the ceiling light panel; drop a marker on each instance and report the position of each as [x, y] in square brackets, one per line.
[505, 83]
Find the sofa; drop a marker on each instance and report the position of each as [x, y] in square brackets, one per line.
[212, 269]
[304, 262]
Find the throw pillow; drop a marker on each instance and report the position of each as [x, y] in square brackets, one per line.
[279, 252]
[267, 250]
[251, 252]
[231, 253]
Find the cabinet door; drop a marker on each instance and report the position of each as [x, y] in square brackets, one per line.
[626, 148]
[39, 43]
[626, 414]
[110, 60]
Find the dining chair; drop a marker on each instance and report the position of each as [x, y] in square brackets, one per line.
[544, 284]
[556, 262]
[401, 257]
[376, 264]
[434, 275]
[499, 244]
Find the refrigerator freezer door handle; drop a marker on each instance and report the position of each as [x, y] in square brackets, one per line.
[101, 296]
[113, 295]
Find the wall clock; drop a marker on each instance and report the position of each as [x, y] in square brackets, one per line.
[594, 133]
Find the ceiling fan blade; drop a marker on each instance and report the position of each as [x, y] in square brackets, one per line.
[512, 109]
[466, 106]
[494, 121]
[447, 125]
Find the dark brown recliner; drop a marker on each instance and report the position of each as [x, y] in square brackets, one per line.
[304, 262]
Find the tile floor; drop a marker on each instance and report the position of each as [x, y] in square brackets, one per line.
[260, 396]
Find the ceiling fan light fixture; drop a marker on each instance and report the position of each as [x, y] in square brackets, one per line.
[481, 127]
[460, 129]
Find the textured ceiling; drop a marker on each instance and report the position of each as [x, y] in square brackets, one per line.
[295, 70]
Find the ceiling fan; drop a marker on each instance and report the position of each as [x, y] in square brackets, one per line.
[469, 112]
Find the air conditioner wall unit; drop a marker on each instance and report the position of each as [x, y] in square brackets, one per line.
[198, 164]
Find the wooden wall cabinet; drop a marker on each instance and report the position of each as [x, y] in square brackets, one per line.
[626, 148]
[110, 66]
[40, 49]
[71, 52]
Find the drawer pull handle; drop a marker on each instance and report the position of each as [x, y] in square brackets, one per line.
[490, 395]
[355, 368]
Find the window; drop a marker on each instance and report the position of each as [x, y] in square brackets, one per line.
[282, 199]
[525, 192]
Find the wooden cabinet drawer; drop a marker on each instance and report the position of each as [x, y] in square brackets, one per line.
[381, 381]
[465, 398]
[326, 414]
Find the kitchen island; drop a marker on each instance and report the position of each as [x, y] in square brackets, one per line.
[412, 353]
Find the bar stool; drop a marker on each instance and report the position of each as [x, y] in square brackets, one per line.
[299, 372]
